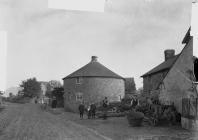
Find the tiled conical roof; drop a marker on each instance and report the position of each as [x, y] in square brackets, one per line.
[94, 69]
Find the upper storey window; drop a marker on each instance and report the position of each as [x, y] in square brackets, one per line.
[79, 96]
[78, 80]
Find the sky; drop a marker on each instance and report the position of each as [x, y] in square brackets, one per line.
[194, 27]
[3, 43]
[129, 37]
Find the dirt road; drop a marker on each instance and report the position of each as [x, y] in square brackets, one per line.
[29, 122]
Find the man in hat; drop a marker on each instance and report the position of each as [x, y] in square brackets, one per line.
[93, 110]
[105, 107]
[81, 109]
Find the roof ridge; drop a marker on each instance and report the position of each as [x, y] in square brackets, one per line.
[94, 69]
[168, 62]
[177, 58]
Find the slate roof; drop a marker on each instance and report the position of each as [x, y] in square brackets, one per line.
[169, 63]
[94, 69]
[166, 65]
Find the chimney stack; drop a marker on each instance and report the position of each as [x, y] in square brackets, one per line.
[94, 59]
[169, 54]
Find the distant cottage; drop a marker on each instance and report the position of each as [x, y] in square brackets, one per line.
[43, 85]
[173, 79]
[91, 84]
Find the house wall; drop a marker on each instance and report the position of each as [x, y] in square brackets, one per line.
[151, 83]
[196, 68]
[93, 90]
[177, 83]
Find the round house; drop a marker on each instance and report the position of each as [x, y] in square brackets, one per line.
[91, 84]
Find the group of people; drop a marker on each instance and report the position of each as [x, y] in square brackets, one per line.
[90, 110]
[44, 101]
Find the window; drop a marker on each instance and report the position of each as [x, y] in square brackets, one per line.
[79, 96]
[78, 80]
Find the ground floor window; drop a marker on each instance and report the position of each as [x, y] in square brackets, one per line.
[79, 96]
[78, 80]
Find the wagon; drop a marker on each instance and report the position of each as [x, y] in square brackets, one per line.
[112, 110]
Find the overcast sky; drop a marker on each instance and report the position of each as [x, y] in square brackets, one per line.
[129, 37]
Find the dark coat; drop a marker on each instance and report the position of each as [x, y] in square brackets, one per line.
[81, 108]
[105, 103]
[93, 107]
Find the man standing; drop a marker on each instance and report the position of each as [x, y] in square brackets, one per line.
[81, 109]
[93, 110]
[105, 105]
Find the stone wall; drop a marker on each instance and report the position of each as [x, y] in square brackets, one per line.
[177, 83]
[152, 82]
[92, 90]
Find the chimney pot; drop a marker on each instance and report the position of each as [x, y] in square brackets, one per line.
[94, 59]
[170, 53]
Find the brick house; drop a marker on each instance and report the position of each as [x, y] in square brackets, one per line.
[173, 79]
[92, 83]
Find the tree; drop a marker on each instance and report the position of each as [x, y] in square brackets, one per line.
[58, 92]
[10, 94]
[1, 92]
[130, 87]
[20, 93]
[51, 86]
[48, 92]
[54, 84]
[31, 88]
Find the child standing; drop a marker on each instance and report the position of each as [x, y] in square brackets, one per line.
[89, 112]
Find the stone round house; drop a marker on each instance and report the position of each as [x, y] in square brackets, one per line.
[91, 84]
